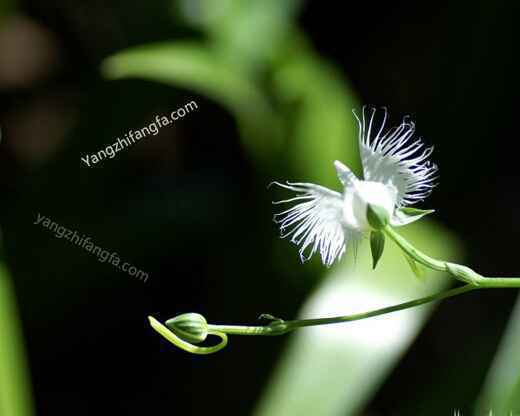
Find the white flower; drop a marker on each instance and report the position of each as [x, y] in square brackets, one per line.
[396, 173]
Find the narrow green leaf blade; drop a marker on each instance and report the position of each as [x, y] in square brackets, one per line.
[199, 68]
[417, 269]
[377, 245]
[15, 388]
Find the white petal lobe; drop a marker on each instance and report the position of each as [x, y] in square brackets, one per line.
[345, 175]
[315, 222]
[395, 158]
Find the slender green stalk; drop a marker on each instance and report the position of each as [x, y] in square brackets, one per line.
[193, 325]
[459, 271]
[414, 253]
[499, 282]
[364, 315]
[242, 329]
[280, 327]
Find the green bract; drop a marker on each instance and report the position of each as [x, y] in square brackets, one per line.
[377, 245]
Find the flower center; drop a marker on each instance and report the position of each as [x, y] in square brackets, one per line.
[357, 198]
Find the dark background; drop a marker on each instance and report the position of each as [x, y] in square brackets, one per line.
[185, 205]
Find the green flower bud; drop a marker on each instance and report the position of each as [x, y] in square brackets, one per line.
[191, 327]
[377, 216]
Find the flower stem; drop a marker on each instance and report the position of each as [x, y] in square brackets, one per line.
[459, 271]
[414, 253]
[499, 282]
[389, 309]
[472, 281]
[280, 327]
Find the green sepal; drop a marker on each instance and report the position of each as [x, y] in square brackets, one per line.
[406, 215]
[412, 212]
[377, 245]
[417, 269]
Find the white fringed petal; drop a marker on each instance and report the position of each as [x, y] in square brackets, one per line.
[394, 158]
[315, 222]
[396, 173]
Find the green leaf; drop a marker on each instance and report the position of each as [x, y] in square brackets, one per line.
[233, 27]
[197, 67]
[417, 269]
[377, 245]
[15, 390]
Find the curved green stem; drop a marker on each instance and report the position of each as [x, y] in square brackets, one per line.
[389, 309]
[186, 346]
[414, 253]
[193, 325]
[459, 271]
[280, 327]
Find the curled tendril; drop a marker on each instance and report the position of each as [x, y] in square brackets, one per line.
[187, 346]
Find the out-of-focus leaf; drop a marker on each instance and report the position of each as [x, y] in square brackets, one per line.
[249, 33]
[335, 370]
[15, 399]
[319, 107]
[501, 392]
[195, 67]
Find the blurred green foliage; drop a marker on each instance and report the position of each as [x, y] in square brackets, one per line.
[196, 67]
[290, 105]
[501, 392]
[15, 397]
